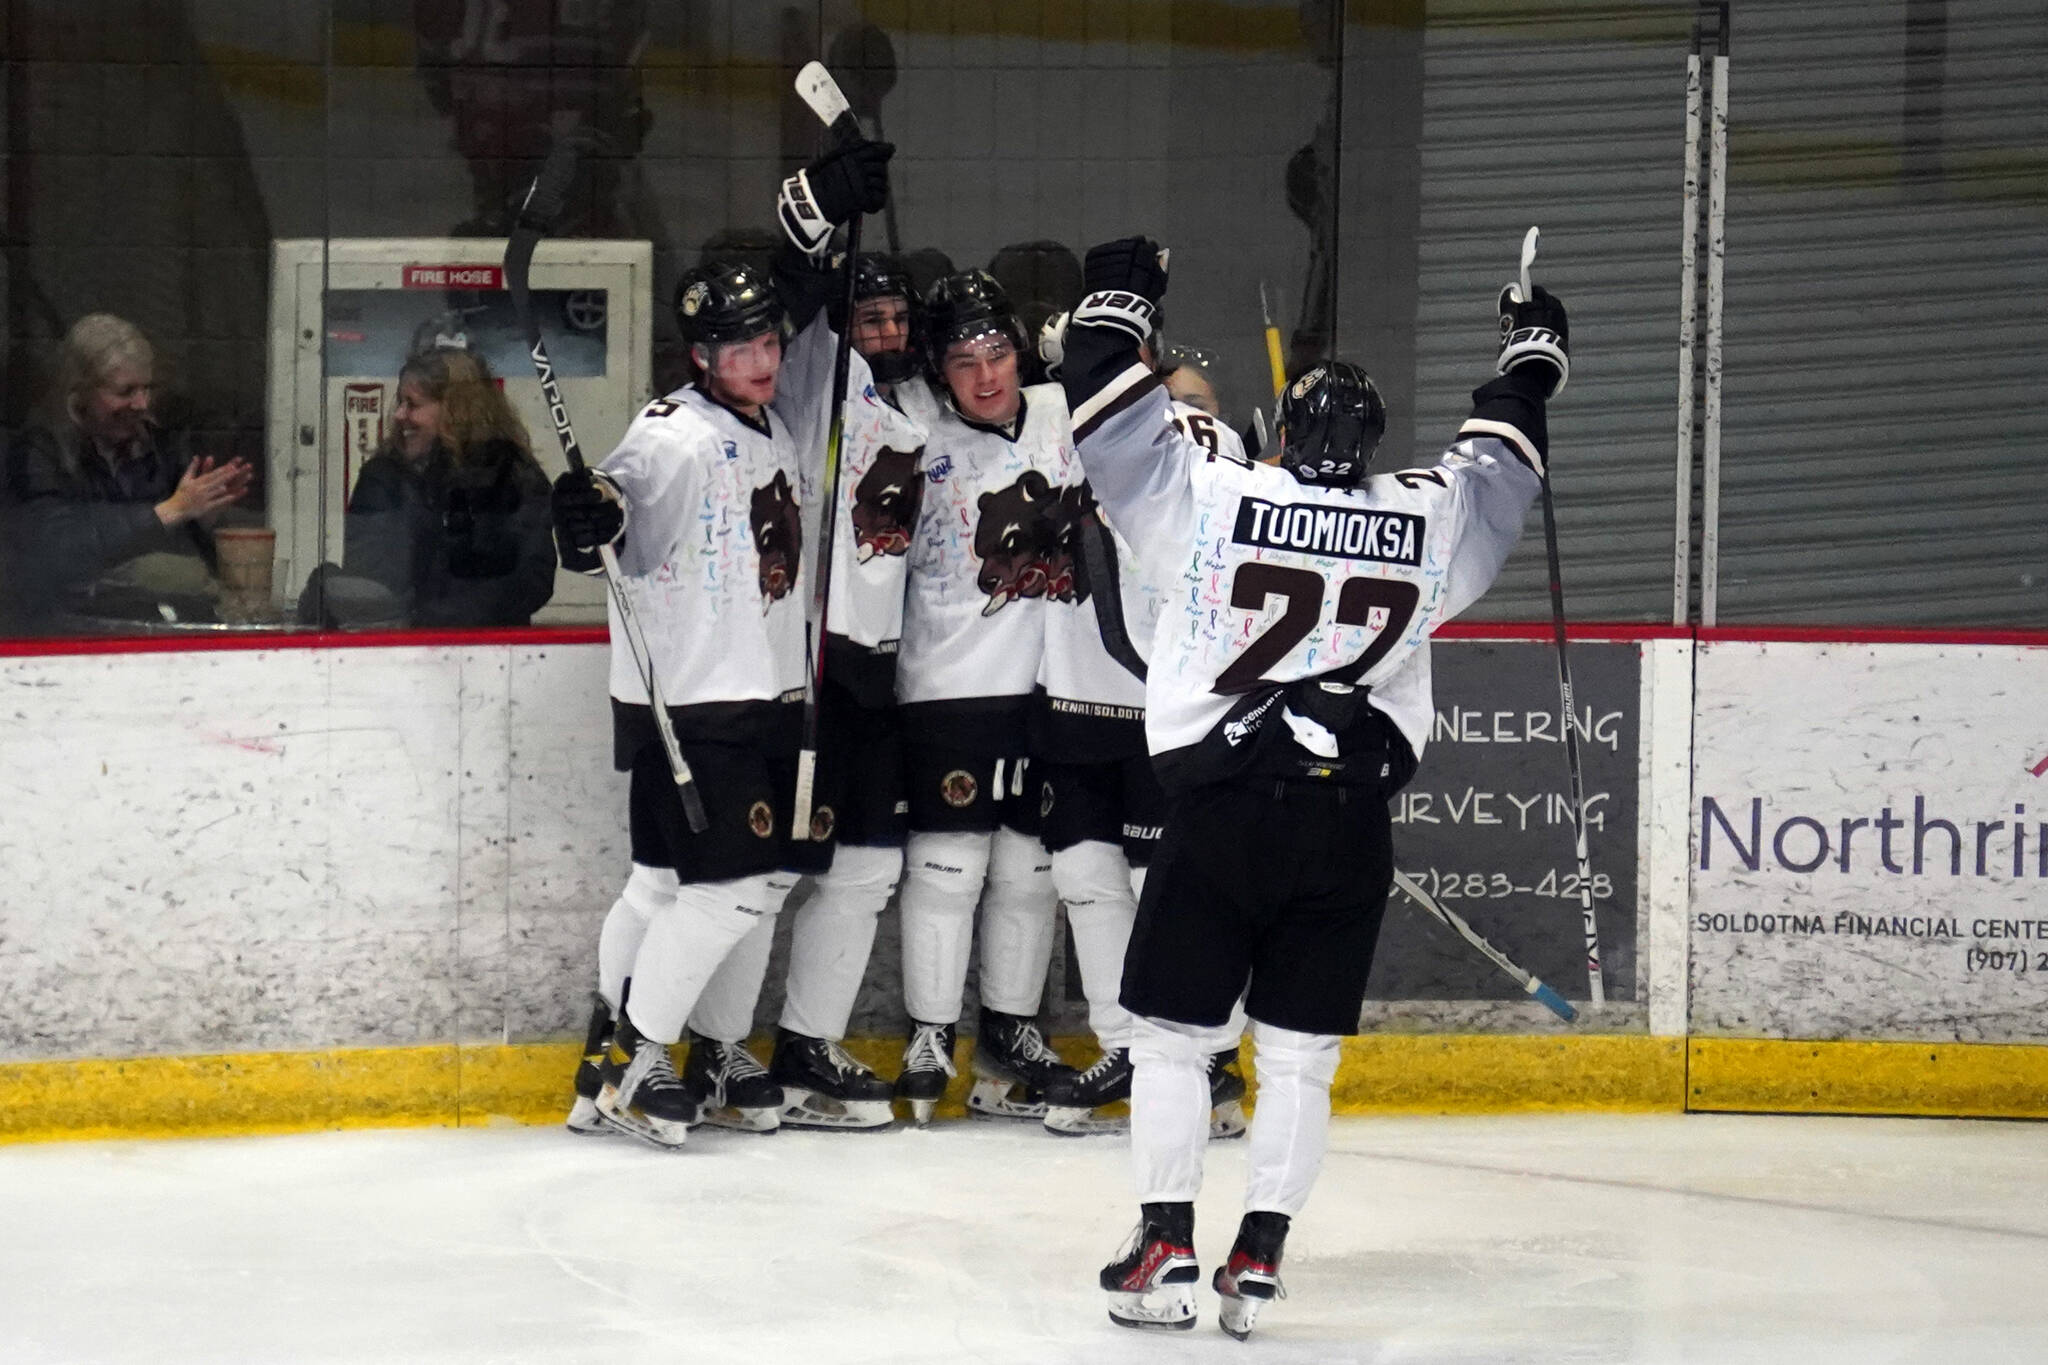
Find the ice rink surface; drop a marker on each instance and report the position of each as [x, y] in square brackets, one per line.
[1555, 1239]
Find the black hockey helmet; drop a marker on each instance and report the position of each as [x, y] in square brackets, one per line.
[723, 301]
[876, 276]
[963, 306]
[1330, 421]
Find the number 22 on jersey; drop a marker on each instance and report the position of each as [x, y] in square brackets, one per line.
[1306, 595]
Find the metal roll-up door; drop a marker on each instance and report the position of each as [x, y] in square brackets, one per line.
[1573, 119]
[1884, 429]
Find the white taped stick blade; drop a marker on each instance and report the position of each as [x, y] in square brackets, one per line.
[814, 84]
[1528, 259]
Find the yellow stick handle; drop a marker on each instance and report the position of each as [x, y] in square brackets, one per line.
[1273, 356]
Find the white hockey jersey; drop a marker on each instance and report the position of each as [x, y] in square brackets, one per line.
[879, 492]
[1269, 581]
[994, 542]
[715, 544]
[1091, 695]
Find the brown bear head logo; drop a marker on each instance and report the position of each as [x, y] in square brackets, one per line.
[778, 536]
[885, 505]
[1025, 540]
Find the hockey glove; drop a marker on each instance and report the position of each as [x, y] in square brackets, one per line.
[852, 179]
[1534, 336]
[1124, 281]
[589, 513]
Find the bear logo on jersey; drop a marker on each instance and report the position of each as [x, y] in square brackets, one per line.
[1025, 541]
[885, 505]
[778, 536]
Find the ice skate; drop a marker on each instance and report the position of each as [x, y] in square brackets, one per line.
[1013, 1066]
[823, 1086]
[1250, 1279]
[1075, 1108]
[927, 1066]
[731, 1087]
[1226, 1097]
[639, 1091]
[584, 1119]
[1152, 1285]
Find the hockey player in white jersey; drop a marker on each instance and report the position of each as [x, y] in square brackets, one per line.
[700, 502]
[993, 542]
[861, 802]
[1100, 805]
[1287, 697]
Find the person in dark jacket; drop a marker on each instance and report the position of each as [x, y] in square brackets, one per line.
[451, 515]
[99, 504]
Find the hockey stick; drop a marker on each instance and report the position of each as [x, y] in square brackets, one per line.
[818, 90]
[1595, 980]
[1273, 360]
[1550, 999]
[542, 205]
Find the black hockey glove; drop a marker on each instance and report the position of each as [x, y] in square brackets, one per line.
[589, 513]
[1535, 336]
[1123, 282]
[849, 180]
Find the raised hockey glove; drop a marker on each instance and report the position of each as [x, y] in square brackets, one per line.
[849, 180]
[1123, 282]
[589, 513]
[1535, 337]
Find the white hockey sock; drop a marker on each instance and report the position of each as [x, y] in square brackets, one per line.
[687, 940]
[832, 936]
[1291, 1127]
[725, 1009]
[1170, 1106]
[1095, 882]
[1019, 918]
[648, 889]
[942, 877]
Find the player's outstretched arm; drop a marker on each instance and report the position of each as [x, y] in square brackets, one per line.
[1502, 451]
[1136, 460]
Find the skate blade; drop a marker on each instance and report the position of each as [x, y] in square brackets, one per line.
[1236, 1315]
[1170, 1308]
[992, 1098]
[921, 1111]
[762, 1120]
[585, 1121]
[808, 1109]
[662, 1133]
[1227, 1120]
[1068, 1122]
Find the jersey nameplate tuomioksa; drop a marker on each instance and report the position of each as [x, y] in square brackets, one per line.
[1340, 533]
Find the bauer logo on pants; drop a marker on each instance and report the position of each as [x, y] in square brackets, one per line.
[959, 787]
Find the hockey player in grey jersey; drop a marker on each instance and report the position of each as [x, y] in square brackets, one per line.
[1287, 697]
[863, 806]
[701, 502]
[993, 543]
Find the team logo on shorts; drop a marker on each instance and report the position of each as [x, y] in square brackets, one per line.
[959, 787]
[1044, 799]
[822, 823]
[761, 819]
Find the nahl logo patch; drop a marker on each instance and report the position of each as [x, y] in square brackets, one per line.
[761, 819]
[1335, 532]
[959, 787]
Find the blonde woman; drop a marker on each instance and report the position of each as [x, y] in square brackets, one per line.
[98, 500]
[452, 514]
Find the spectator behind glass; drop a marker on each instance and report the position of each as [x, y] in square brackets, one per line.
[451, 515]
[104, 515]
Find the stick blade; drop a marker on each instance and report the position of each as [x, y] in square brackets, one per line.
[815, 86]
[1552, 1001]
